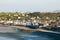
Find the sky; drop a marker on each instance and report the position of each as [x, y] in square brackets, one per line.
[29, 5]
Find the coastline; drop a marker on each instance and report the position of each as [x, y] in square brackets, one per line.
[34, 30]
[25, 29]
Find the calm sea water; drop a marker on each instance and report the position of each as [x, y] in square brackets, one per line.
[29, 36]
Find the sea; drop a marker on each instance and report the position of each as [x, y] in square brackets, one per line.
[22, 35]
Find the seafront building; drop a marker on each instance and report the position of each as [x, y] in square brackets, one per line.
[24, 22]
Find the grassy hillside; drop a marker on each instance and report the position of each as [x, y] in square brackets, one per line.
[15, 15]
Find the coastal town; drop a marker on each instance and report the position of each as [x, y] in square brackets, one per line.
[29, 19]
[34, 20]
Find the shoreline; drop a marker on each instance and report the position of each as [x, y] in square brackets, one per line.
[26, 29]
[35, 30]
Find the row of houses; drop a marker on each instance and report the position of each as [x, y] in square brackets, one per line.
[49, 23]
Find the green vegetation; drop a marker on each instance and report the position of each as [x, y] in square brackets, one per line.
[15, 15]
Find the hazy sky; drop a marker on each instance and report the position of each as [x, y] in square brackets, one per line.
[29, 5]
